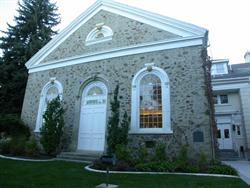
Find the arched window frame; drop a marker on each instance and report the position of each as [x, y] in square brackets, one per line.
[92, 36]
[135, 100]
[50, 84]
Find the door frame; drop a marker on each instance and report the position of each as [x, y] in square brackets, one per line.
[85, 89]
[222, 127]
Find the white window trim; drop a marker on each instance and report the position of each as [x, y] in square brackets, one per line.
[105, 30]
[135, 103]
[45, 89]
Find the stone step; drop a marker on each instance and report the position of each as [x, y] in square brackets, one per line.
[79, 156]
[228, 155]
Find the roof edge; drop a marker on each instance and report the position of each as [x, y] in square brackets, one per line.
[163, 22]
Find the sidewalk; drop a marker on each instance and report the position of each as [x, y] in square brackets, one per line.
[243, 168]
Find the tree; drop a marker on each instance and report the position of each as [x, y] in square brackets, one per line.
[117, 132]
[32, 30]
[52, 130]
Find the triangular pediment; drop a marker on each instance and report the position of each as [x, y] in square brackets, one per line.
[175, 28]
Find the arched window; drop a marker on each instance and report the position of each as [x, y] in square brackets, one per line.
[150, 111]
[49, 92]
[100, 33]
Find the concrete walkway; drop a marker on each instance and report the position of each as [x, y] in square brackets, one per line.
[243, 168]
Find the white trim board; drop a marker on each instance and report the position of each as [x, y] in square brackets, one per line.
[162, 22]
[119, 52]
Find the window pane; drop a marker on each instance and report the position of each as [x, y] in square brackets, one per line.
[150, 102]
[218, 133]
[223, 99]
[52, 93]
[220, 68]
[213, 69]
[94, 91]
[238, 129]
[226, 133]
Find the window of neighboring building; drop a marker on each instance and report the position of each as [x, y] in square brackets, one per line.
[49, 92]
[220, 99]
[219, 68]
[238, 129]
[218, 133]
[150, 111]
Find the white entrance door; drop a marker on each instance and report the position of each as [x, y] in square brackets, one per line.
[224, 136]
[93, 118]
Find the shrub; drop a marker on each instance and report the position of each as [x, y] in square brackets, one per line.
[156, 167]
[121, 166]
[98, 164]
[32, 148]
[12, 125]
[117, 134]
[191, 169]
[202, 161]
[5, 144]
[52, 130]
[182, 159]
[142, 154]
[122, 152]
[222, 169]
[160, 154]
[17, 145]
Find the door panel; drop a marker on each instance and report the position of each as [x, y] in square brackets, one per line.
[224, 136]
[93, 118]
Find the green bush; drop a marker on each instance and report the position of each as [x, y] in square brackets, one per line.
[122, 152]
[156, 166]
[202, 161]
[117, 131]
[160, 154]
[99, 165]
[32, 148]
[182, 159]
[12, 125]
[142, 154]
[5, 145]
[222, 169]
[121, 166]
[17, 145]
[52, 130]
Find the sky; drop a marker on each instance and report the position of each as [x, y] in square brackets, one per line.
[228, 21]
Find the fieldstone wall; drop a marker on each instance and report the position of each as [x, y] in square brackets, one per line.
[126, 32]
[189, 105]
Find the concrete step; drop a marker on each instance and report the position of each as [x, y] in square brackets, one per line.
[228, 155]
[79, 156]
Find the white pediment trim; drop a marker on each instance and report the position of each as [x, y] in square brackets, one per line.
[119, 52]
[162, 22]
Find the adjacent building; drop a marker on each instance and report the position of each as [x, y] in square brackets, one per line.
[231, 87]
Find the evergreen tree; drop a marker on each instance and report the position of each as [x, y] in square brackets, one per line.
[117, 132]
[32, 30]
[113, 123]
[52, 130]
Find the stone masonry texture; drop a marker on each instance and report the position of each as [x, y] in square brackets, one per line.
[126, 32]
[189, 104]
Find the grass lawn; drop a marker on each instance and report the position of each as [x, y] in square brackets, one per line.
[58, 174]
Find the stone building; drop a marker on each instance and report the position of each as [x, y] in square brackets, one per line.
[158, 63]
[231, 88]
